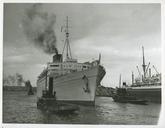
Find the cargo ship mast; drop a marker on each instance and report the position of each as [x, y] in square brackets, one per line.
[144, 65]
[67, 44]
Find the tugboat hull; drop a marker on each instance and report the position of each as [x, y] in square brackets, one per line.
[123, 96]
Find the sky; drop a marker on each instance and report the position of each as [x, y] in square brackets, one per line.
[117, 31]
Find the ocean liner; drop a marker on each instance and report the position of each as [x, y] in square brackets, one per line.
[147, 86]
[68, 80]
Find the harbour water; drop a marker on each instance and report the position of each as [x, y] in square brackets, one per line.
[20, 108]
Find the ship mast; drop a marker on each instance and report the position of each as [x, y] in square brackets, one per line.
[120, 81]
[144, 65]
[67, 44]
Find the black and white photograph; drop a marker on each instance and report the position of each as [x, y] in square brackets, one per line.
[82, 63]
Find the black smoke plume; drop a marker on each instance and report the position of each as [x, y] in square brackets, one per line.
[38, 28]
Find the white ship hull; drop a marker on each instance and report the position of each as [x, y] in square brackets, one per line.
[72, 87]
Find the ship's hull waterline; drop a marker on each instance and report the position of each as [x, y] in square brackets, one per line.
[151, 94]
[77, 87]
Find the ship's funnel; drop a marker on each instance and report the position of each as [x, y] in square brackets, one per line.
[57, 58]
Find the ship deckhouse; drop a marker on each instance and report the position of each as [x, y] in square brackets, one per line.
[60, 67]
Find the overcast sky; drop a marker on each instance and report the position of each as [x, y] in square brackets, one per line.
[117, 31]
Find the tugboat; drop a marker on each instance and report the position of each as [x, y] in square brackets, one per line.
[121, 95]
[49, 103]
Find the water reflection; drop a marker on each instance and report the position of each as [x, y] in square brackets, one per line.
[105, 112]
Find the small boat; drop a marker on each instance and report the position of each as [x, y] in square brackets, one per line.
[49, 103]
[121, 95]
[138, 101]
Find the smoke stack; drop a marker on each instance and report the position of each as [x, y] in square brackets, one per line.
[124, 84]
[57, 58]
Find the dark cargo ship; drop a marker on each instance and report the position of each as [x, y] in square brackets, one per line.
[147, 86]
